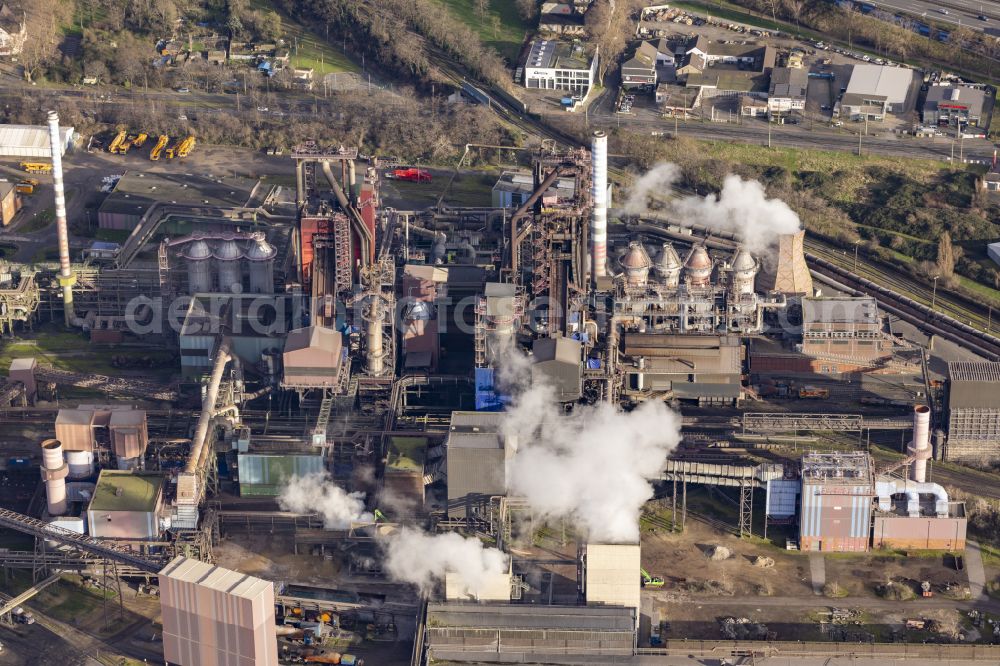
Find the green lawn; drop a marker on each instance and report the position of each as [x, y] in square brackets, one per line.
[307, 48]
[40, 221]
[72, 351]
[509, 35]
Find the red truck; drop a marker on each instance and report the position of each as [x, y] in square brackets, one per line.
[411, 174]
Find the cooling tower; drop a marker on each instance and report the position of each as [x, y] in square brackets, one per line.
[792, 275]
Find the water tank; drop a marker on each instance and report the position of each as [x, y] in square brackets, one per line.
[227, 261]
[81, 464]
[199, 266]
[261, 258]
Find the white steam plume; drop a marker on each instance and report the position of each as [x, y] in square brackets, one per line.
[419, 558]
[318, 493]
[594, 465]
[660, 178]
[741, 208]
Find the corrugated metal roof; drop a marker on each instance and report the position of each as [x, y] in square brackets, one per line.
[893, 83]
[859, 310]
[238, 584]
[973, 371]
[591, 618]
[27, 136]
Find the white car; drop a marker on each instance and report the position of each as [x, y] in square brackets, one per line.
[262, 109]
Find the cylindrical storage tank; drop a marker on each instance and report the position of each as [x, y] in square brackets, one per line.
[599, 212]
[636, 263]
[668, 266]
[54, 471]
[698, 267]
[227, 260]
[80, 463]
[920, 446]
[199, 267]
[261, 258]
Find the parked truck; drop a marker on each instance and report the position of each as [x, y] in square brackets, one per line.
[413, 175]
[22, 616]
[650, 581]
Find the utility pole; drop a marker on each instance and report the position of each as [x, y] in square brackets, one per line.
[856, 243]
[769, 131]
[934, 293]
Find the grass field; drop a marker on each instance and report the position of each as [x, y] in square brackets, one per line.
[309, 49]
[510, 29]
[71, 351]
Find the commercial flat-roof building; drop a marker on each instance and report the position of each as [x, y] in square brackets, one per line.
[954, 105]
[126, 505]
[836, 504]
[973, 412]
[468, 632]
[844, 331]
[701, 368]
[31, 141]
[135, 193]
[513, 188]
[553, 65]
[476, 462]
[216, 617]
[875, 90]
[558, 363]
[788, 90]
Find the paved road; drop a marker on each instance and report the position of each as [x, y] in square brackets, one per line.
[959, 12]
[974, 566]
[817, 570]
[867, 603]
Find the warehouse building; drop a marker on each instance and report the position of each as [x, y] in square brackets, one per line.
[136, 193]
[836, 502]
[477, 457]
[843, 333]
[954, 105]
[787, 91]
[558, 363]
[126, 505]
[32, 141]
[513, 188]
[479, 633]
[705, 369]
[553, 65]
[216, 617]
[874, 91]
[973, 413]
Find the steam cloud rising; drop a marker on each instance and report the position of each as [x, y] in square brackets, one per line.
[741, 208]
[318, 493]
[415, 557]
[592, 466]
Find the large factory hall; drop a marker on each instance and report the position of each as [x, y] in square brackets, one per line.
[346, 384]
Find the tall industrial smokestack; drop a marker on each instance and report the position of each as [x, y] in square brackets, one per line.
[599, 216]
[920, 446]
[66, 278]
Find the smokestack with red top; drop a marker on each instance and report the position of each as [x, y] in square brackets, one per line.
[66, 278]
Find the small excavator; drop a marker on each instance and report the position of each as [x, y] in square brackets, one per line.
[650, 581]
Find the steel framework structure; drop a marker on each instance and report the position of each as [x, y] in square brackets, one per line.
[784, 422]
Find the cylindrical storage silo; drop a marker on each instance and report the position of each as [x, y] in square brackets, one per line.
[199, 267]
[54, 471]
[81, 464]
[227, 261]
[261, 258]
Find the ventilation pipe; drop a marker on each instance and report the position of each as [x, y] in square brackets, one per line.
[364, 233]
[54, 472]
[920, 446]
[66, 278]
[886, 488]
[208, 407]
[375, 353]
[599, 213]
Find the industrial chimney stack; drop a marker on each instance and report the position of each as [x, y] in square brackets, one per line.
[920, 446]
[599, 215]
[66, 278]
